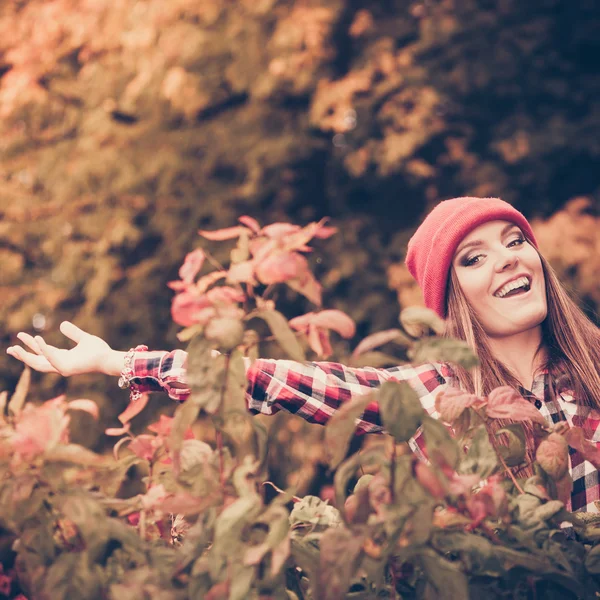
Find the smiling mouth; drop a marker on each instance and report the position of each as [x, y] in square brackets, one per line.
[519, 287]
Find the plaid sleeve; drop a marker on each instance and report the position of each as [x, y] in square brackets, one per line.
[162, 372]
[316, 390]
[313, 391]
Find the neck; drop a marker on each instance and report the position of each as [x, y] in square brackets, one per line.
[521, 354]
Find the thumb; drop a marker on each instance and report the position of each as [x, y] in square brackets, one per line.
[72, 331]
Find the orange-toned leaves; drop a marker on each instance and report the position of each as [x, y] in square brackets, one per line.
[316, 327]
[506, 403]
[553, 456]
[452, 402]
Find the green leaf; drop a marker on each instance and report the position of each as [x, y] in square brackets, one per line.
[17, 400]
[440, 446]
[481, 457]
[205, 377]
[283, 334]
[433, 350]
[592, 560]
[401, 410]
[369, 457]
[445, 577]
[341, 427]
[416, 320]
[514, 453]
[72, 577]
[339, 559]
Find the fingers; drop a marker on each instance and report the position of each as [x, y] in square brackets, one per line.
[29, 341]
[35, 361]
[72, 331]
[52, 354]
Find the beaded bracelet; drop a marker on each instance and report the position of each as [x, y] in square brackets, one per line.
[127, 373]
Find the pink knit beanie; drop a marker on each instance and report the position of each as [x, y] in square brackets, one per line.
[432, 247]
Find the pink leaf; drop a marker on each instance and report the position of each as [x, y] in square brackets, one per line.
[89, 406]
[281, 267]
[192, 264]
[114, 431]
[205, 282]
[178, 286]
[219, 235]
[242, 272]
[302, 322]
[225, 295]
[133, 408]
[186, 307]
[308, 286]
[553, 456]
[325, 232]
[506, 403]
[294, 241]
[250, 223]
[336, 320]
[315, 341]
[144, 446]
[375, 340]
[577, 440]
[452, 402]
[279, 230]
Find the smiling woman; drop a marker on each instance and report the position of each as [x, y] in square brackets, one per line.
[477, 263]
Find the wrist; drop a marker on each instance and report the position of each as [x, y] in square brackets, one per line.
[113, 365]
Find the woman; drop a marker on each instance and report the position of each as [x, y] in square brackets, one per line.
[477, 263]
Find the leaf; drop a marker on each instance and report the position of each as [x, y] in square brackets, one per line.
[17, 400]
[434, 350]
[336, 320]
[445, 577]
[283, 334]
[205, 375]
[88, 406]
[372, 456]
[250, 222]
[316, 513]
[451, 403]
[378, 339]
[308, 286]
[514, 453]
[341, 427]
[339, 559]
[439, 445]
[400, 408]
[228, 233]
[417, 319]
[70, 577]
[191, 266]
[135, 407]
[552, 455]
[75, 454]
[592, 560]
[576, 439]
[481, 457]
[506, 403]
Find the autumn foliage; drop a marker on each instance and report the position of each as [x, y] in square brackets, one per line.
[207, 523]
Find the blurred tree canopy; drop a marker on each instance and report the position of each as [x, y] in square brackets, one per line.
[126, 125]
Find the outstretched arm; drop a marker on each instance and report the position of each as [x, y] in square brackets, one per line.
[91, 354]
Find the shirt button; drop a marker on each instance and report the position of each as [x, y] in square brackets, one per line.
[538, 403]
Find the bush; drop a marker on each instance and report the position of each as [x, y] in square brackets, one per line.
[458, 525]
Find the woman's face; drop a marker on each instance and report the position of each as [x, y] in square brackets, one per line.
[501, 276]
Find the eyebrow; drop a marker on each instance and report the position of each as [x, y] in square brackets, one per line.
[476, 243]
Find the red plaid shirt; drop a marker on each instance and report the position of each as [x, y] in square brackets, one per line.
[316, 390]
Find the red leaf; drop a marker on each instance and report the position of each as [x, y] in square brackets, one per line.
[144, 446]
[114, 431]
[506, 403]
[133, 408]
[219, 235]
[279, 230]
[89, 406]
[188, 309]
[576, 439]
[553, 456]
[375, 340]
[337, 321]
[250, 223]
[192, 264]
[452, 402]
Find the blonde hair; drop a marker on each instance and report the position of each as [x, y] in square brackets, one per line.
[571, 341]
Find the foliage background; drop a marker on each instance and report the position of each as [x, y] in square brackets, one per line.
[126, 125]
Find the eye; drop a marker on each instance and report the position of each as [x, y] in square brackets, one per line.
[519, 241]
[469, 261]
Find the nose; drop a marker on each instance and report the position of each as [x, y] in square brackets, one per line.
[506, 260]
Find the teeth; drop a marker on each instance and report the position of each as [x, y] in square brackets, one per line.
[512, 285]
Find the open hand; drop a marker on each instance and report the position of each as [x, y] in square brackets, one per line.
[90, 355]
